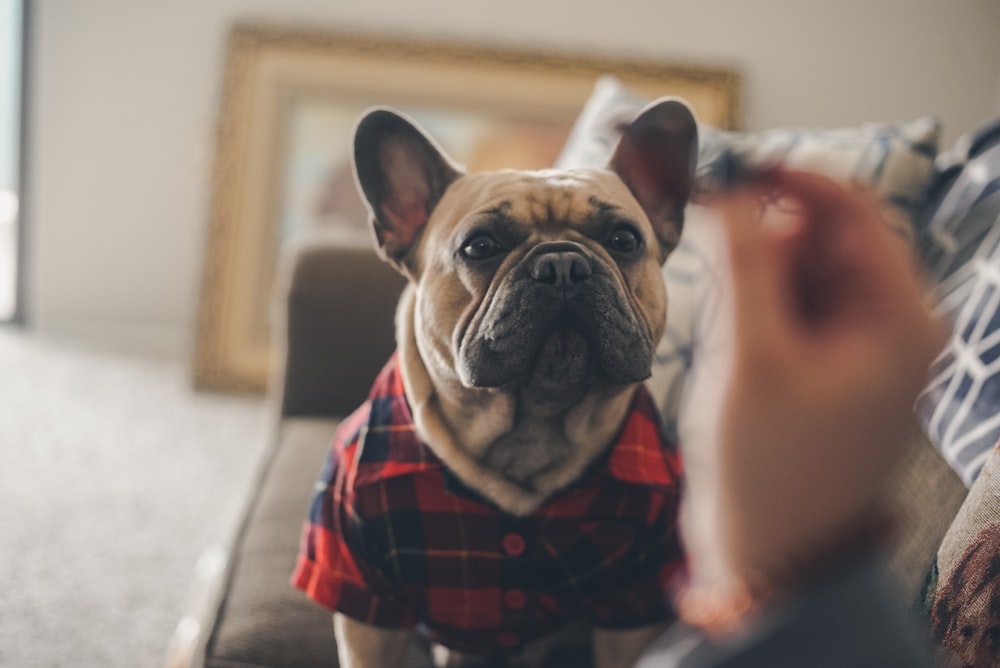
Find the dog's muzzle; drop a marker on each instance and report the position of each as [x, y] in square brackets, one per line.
[559, 320]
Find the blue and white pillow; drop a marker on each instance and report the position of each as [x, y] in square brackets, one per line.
[896, 160]
[959, 242]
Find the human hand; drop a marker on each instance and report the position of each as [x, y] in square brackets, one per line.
[804, 404]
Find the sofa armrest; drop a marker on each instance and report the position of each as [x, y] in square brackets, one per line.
[334, 308]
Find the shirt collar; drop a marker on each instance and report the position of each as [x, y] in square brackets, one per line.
[640, 455]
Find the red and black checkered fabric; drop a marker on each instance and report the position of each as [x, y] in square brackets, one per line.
[394, 539]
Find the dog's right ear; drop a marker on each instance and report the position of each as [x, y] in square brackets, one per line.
[402, 174]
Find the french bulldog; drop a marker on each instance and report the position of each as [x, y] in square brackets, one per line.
[534, 304]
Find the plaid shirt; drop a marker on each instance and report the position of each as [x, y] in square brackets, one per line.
[394, 539]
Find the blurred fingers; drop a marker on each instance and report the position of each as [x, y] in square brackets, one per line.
[860, 286]
[754, 280]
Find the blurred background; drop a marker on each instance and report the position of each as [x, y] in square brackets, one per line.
[125, 95]
[114, 474]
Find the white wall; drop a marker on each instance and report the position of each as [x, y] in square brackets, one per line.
[10, 83]
[10, 111]
[126, 94]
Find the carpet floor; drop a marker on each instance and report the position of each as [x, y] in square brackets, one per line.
[114, 477]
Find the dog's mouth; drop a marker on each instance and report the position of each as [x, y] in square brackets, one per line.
[564, 358]
[558, 349]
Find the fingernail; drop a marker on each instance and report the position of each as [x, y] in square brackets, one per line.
[781, 214]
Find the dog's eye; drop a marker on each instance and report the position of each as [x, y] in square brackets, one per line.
[481, 247]
[624, 240]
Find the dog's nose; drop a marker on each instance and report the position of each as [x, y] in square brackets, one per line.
[561, 268]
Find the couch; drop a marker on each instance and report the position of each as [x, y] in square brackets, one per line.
[332, 343]
[334, 312]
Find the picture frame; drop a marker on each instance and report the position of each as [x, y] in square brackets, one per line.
[289, 102]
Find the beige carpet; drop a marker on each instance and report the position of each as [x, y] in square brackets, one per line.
[114, 477]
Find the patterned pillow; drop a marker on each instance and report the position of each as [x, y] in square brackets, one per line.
[894, 159]
[959, 241]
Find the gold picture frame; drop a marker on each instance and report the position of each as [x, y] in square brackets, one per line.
[289, 102]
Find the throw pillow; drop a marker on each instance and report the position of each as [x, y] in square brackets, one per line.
[959, 241]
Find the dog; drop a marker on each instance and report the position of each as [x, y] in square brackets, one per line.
[507, 474]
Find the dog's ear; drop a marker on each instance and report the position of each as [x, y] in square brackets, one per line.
[402, 174]
[656, 158]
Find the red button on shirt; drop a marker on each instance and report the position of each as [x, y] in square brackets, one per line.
[513, 544]
[514, 599]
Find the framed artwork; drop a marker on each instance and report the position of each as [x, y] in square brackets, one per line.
[290, 100]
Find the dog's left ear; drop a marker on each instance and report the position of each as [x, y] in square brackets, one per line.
[402, 174]
[656, 158]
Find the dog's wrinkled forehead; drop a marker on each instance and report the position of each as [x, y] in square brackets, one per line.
[545, 200]
[552, 198]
